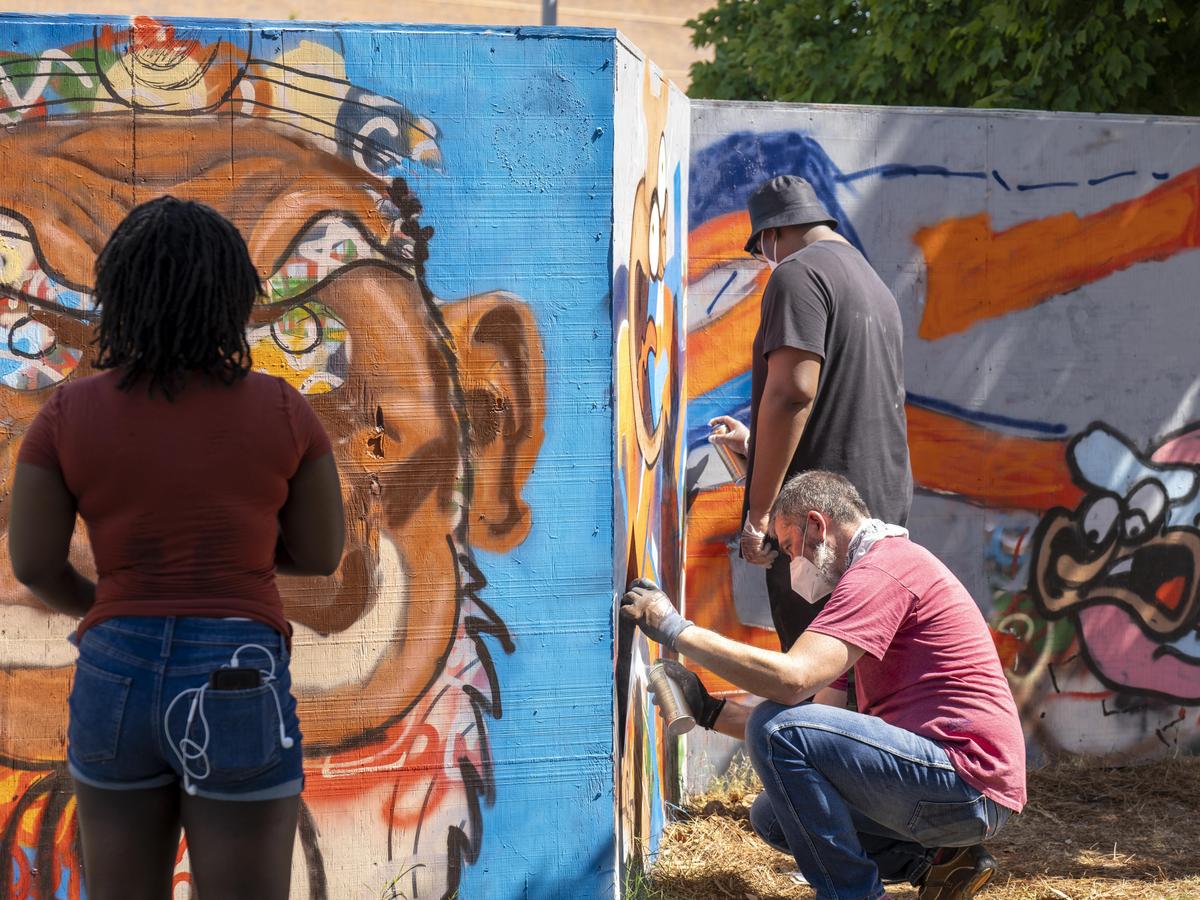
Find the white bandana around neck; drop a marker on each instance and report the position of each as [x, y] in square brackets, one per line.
[870, 532]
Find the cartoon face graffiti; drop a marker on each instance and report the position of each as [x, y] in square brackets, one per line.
[1125, 564]
[435, 411]
[651, 300]
[648, 315]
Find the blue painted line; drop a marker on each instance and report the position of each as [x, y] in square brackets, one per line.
[697, 435]
[729, 399]
[1047, 184]
[1000, 181]
[698, 429]
[1161, 176]
[1095, 181]
[900, 170]
[986, 418]
[733, 399]
[724, 287]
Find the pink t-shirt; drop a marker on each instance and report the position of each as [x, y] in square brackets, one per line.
[929, 665]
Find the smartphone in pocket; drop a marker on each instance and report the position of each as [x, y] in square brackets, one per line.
[239, 678]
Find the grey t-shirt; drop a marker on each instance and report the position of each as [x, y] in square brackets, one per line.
[827, 300]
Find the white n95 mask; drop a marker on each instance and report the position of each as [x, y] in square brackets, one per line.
[772, 261]
[809, 581]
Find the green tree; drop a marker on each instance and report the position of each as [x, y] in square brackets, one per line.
[1137, 56]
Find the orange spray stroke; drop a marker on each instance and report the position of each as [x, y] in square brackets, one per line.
[716, 242]
[720, 349]
[999, 471]
[948, 456]
[975, 273]
[714, 520]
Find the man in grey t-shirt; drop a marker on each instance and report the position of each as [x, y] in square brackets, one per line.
[827, 382]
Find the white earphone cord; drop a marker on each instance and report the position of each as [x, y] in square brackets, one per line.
[188, 750]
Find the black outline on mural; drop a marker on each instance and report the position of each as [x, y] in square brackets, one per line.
[1070, 613]
[463, 847]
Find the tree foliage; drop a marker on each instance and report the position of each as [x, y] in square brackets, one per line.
[1137, 56]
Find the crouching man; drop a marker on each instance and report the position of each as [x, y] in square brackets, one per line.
[907, 789]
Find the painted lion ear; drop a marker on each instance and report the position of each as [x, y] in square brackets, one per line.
[502, 372]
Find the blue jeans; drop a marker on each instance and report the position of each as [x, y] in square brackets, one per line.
[142, 714]
[856, 800]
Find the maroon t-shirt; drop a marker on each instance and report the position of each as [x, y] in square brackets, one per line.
[181, 498]
[929, 666]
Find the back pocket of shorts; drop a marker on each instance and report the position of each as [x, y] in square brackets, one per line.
[959, 824]
[97, 706]
[243, 733]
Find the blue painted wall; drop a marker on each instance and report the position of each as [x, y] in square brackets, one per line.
[495, 772]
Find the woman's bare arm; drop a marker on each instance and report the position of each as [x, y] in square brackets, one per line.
[312, 524]
[41, 520]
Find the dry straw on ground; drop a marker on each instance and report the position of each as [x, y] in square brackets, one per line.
[1087, 833]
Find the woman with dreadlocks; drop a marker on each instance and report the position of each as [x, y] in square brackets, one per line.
[198, 481]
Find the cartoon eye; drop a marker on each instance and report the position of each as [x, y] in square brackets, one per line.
[16, 256]
[1100, 519]
[21, 274]
[327, 247]
[662, 171]
[1145, 506]
[652, 240]
[30, 356]
[308, 347]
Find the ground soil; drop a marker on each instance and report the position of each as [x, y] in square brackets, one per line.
[1087, 833]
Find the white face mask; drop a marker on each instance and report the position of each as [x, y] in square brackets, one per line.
[772, 260]
[813, 581]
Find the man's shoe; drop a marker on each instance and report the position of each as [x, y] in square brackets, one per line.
[957, 873]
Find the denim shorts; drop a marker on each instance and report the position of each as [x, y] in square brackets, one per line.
[143, 714]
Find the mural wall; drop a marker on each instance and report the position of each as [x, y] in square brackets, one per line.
[650, 258]
[387, 182]
[1044, 271]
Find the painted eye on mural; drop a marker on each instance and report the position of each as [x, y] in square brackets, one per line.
[656, 239]
[308, 347]
[21, 275]
[1099, 519]
[1145, 507]
[31, 357]
[662, 171]
[16, 255]
[329, 245]
[652, 242]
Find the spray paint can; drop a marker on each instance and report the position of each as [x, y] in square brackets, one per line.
[735, 463]
[669, 697]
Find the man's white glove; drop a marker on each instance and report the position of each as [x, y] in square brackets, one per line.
[754, 546]
[653, 612]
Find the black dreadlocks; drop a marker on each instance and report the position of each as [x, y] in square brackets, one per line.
[175, 287]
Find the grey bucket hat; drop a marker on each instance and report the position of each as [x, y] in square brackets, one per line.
[784, 200]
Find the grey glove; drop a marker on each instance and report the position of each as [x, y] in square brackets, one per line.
[653, 612]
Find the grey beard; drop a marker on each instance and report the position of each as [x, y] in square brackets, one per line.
[824, 558]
